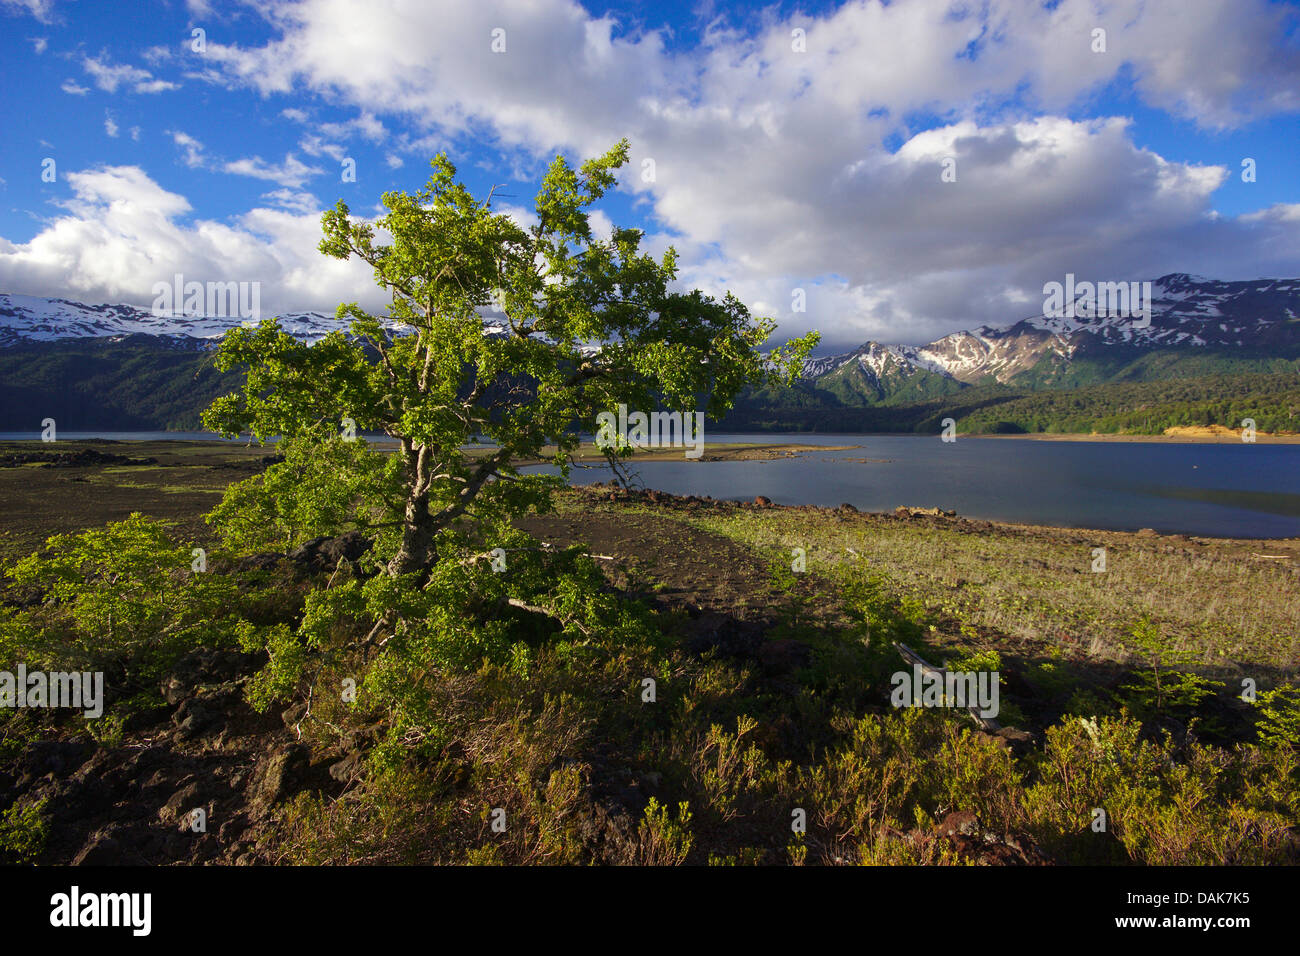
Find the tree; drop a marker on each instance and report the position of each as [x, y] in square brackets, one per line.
[588, 323]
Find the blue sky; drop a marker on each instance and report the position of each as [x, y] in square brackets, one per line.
[783, 160]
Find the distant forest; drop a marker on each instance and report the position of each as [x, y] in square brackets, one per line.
[1138, 408]
[143, 383]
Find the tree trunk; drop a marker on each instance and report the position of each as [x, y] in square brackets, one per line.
[416, 550]
[417, 538]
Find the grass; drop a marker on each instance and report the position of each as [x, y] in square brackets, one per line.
[1039, 588]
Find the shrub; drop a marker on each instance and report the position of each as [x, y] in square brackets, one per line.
[23, 832]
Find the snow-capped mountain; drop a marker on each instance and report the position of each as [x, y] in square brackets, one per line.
[25, 318]
[1185, 312]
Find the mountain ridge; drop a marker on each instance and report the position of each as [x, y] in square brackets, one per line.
[1185, 312]
[107, 365]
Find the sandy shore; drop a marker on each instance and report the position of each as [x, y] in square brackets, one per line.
[1214, 435]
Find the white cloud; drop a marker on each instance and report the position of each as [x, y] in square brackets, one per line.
[110, 126]
[42, 10]
[40, 44]
[158, 54]
[316, 146]
[771, 169]
[366, 125]
[108, 76]
[770, 165]
[296, 201]
[121, 232]
[194, 155]
[71, 86]
[292, 173]
[155, 86]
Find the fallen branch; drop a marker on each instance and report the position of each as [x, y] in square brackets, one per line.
[915, 659]
[547, 612]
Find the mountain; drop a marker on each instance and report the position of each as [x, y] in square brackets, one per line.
[118, 367]
[25, 318]
[123, 368]
[1206, 324]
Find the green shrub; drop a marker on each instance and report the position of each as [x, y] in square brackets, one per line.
[1279, 717]
[23, 832]
[124, 596]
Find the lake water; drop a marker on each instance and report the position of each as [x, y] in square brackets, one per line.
[1224, 490]
[1228, 490]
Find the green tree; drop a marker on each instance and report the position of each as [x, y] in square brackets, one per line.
[588, 323]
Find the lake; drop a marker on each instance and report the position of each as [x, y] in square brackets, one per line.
[1225, 490]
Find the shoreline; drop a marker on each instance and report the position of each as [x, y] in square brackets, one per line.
[1198, 438]
[940, 518]
[781, 442]
[181, 480]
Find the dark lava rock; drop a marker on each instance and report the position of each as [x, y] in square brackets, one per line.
[59, 757]
[277, 777]
[1014, 739]
[84, 458]
[207, 712]
[293, 714]
[206, 666]
[763, 501]
[323, 554]
[349, 768]
[178, 807]
[259, 562]
[113, 845]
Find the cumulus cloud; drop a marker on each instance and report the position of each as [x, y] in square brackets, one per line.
[314, 145]
[121, 232]
[768, 166]
[776, 165]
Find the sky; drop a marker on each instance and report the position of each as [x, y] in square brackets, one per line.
[904, 169]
